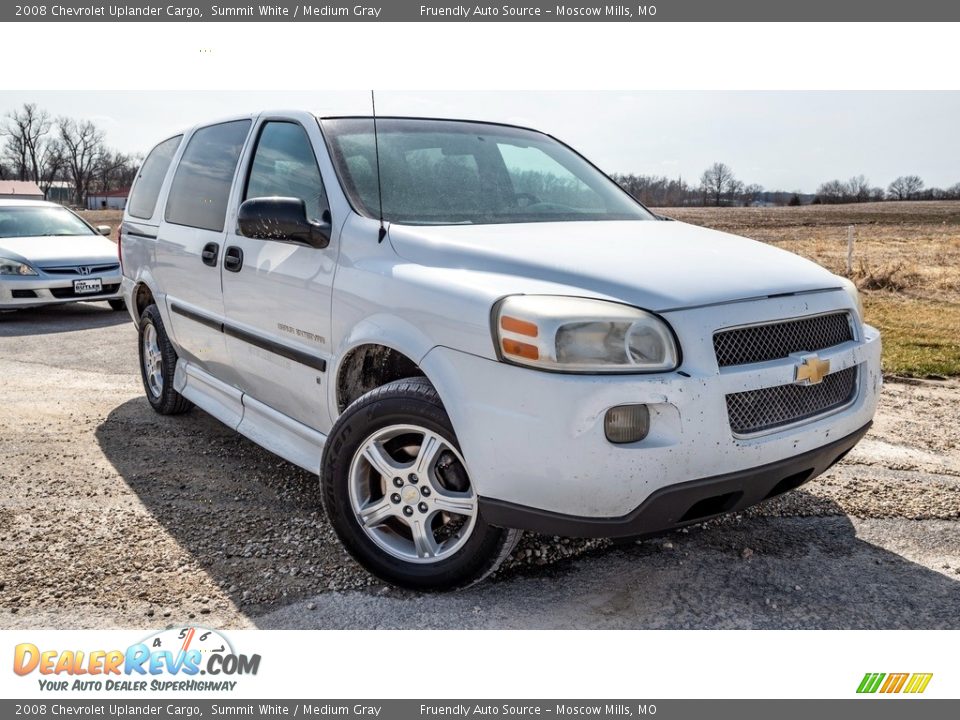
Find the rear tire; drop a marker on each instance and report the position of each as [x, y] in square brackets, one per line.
[398, 494]
[158, 362]
[117, 305]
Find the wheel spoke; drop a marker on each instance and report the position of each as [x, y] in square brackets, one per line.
[457, 504]
[429, 448]
[423, 539]
[377, 513]
[374, 454]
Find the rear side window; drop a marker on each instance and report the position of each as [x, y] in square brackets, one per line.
[201, 186]
[146, 190]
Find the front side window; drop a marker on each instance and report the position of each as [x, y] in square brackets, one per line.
[143, 199]
[284, 166]
[201, 185]
[443, 172]
[40, 221]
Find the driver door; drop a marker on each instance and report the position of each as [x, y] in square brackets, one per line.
[277, 294]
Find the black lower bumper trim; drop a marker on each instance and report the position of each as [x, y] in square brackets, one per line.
[681, 504]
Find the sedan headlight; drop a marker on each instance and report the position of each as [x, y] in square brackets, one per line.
[570, 334]
[15, 267]
[851, 289]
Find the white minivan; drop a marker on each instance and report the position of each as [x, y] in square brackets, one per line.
[468, 330]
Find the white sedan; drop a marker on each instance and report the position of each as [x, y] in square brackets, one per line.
[50, 256]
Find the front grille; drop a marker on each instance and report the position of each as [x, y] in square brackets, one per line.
[22, 294]
[755, 411]
[67, 292]
[75, 269]
[775, 341]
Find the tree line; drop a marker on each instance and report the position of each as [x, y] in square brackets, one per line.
[719, 186]
[44, 149]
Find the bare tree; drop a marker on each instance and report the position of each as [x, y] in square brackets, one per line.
[858, 189]
[31, 147]
[750, 194]
[905, 187]
[114, 171]
[832, 192]
[717, 182]
[83, 152]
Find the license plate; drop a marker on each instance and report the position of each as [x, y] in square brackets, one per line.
[84, 287]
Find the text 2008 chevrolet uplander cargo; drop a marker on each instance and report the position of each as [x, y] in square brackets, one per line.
[523, 347]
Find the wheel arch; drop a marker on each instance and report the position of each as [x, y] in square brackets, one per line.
[378, 350]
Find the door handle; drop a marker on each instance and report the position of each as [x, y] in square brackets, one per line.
[233, 259]
[209, 254]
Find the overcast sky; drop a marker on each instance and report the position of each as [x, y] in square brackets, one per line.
[781, 140]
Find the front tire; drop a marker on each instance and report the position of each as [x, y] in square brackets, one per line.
[117, 305]
[158, 362]
[397, 492]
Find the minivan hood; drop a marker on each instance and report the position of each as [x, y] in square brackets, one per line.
[655, 265]
[47, 251]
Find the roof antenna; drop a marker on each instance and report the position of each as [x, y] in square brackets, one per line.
[376, 151]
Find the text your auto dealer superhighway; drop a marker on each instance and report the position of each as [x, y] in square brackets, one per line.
[124, 11]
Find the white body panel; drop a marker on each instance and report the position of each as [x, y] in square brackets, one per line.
[529, 437]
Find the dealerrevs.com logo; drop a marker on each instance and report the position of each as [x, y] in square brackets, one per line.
[891, 683]
[181, 659]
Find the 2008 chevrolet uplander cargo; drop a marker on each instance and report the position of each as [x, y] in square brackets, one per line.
[468, 330]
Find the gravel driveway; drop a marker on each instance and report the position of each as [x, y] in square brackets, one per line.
[115, 517]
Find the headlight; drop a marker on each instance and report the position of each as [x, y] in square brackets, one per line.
[851, 289]
[569, 334]
[15, 267]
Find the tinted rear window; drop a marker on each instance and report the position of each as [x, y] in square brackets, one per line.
[201, 186]
[143, 200]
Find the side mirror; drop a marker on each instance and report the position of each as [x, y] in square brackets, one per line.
[284, 219]
[104, 230]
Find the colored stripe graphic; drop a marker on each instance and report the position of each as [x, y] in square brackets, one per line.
[918, 682]
[870, 682]
[894, 683]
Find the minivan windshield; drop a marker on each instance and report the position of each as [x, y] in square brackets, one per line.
[25, 221]
[447, 172]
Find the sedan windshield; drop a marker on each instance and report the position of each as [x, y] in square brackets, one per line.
[445, 172]
[23, 221]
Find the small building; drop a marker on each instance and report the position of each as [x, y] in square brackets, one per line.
[19, 190]
[60, 192]
[113, 200]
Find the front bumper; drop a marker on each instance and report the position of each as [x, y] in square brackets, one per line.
[678, 505]
[535, 440]
[36, 291]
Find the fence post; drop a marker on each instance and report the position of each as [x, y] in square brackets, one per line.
[849, 250]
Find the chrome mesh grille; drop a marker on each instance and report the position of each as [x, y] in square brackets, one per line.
[758, 410]
[774, 341]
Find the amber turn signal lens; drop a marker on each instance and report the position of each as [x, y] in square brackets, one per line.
[520, 349]
[520, 327]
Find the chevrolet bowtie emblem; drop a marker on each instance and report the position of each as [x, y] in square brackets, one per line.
[811, 370]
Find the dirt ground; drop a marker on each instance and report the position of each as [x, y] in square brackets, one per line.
[113, 516]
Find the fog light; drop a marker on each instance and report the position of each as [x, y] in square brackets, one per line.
[626, 423]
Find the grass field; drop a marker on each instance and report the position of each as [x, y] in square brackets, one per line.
[906, 262]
